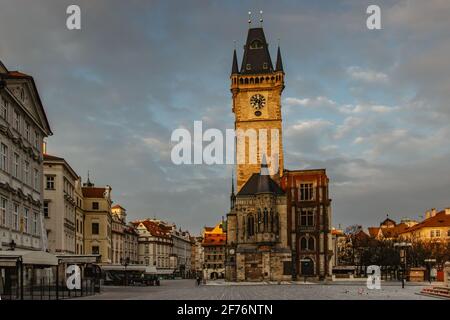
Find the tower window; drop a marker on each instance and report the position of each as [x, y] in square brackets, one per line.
[256, 44]
[265, 65]
[307, 217]
[248, 66]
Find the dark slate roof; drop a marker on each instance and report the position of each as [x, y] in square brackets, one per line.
[279, 65]
[234, 67]
[256, 56]
[260, 184]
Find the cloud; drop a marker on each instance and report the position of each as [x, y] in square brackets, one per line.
[369, 76]
[370, 107]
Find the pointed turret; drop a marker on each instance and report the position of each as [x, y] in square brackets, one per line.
[234, 67]
[232, 196]
[256, 53]
[279, 65]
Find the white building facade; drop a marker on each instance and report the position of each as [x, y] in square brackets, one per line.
[23, 126]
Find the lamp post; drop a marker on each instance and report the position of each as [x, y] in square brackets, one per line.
[403, 246]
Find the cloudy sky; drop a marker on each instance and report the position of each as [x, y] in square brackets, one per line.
[369, 106]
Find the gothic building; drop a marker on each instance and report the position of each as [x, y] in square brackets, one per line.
[279, 224]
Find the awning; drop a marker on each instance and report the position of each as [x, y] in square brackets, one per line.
[164, 271]
[40, 258]
[79, 258]
[151, 270]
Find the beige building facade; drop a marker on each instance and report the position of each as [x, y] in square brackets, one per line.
[60, 203]
[155, 246]
[118, 234]
[97, 221]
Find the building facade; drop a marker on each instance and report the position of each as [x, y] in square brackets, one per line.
[197, 256]
[118, 226]
[309, 222]
[155, 245]
[435, 227]
[131, 244]
[97, 221]
[60, 205]
[79, 214]
[23, 126]
[181, 251]
[214, 248]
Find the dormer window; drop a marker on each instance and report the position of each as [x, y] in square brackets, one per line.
[256, 44]
[248, 66]
[265, 65]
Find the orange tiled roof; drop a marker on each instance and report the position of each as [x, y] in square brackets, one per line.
[93, 192]
[439, 220]
[117, 206]
[154, 228]
[373, 231]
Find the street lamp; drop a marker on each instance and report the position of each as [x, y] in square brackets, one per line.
[403, 246]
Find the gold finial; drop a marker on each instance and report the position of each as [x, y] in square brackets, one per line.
[249, 18]
[261, 18]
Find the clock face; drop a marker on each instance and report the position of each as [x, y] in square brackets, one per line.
[231, 251]
[257, 101]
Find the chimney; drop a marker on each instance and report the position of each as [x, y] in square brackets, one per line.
[433, 212]
[447, 210]
[427, 214]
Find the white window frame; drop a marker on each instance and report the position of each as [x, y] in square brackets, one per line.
[26, 213]
[16, 165]
[35, 223]
[36, 179]
[4, 108]
[4, 157]
[3, 211]
[15, 216]
[26, 172]
[16, 120]
[27, 130]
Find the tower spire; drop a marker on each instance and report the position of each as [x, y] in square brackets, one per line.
[234, 67]
[261, 18]
[279, 64]
[232, 196]
[249, 19]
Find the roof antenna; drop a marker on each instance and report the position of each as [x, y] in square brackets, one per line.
[249, 18]
[234, 43]
[261, 18]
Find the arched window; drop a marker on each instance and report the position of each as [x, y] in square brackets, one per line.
[246, 80]
[241, 81]
[277, 223]
[256, 44]
[256, 80]
[303, 243]
[251, 81]
[271, 221]
[266, 220]
[258, 228]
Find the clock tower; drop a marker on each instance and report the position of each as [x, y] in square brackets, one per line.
[256, 103]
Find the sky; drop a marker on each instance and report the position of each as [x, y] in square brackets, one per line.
[369, 106]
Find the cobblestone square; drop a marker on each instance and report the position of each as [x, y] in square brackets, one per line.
[187, 290]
